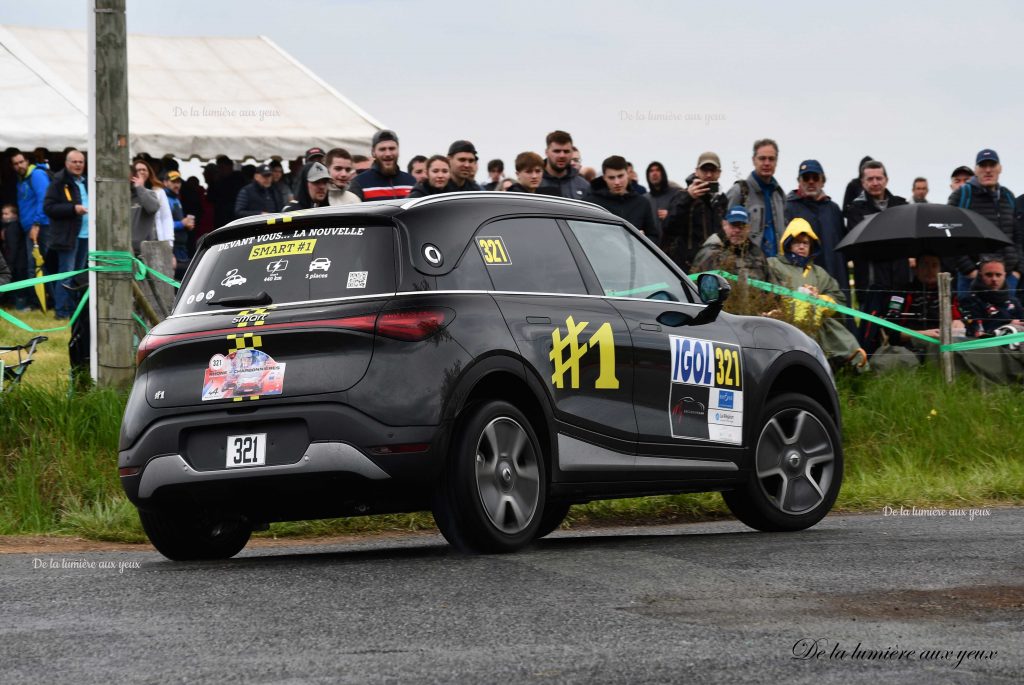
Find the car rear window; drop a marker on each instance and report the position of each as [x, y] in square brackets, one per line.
[294, 265]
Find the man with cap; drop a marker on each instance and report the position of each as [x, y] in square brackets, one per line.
[314, 179]
[314, 154]
[731, 250]
[763, 197]
[810, 202]
[983, 194]
[384, 180]
[697, 214]
[463, 159]
[182, 223]
[960, 176]
[260, 196]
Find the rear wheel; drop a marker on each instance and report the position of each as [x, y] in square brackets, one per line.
[797, 469]
[493, 488]
[182, 538]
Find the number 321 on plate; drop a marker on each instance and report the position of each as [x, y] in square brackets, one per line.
[247, 450]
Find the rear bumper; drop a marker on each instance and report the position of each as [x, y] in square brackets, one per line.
[320, 457]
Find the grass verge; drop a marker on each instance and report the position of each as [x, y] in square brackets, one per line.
[909, 440]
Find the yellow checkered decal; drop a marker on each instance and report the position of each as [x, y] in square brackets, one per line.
[245, 341]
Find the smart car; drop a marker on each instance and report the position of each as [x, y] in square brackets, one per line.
[493, 358]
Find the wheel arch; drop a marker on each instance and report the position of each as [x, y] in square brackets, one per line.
[505, 378]
[794, 372]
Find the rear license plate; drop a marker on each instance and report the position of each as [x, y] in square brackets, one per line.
[247, 450]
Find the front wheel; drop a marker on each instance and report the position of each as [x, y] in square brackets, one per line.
[797, 469]
[492, 492]
[180, 537]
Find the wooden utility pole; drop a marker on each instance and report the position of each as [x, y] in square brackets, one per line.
[946, 324]
[113, 358]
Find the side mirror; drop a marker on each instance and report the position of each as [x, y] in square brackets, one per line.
[713, 289]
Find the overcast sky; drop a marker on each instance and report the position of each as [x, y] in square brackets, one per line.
[921, 86]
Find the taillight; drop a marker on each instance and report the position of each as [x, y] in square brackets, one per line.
[411, 325]
[150, 343]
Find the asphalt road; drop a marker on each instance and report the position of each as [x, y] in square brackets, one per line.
[699, 603]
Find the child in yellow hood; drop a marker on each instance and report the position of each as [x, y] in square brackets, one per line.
[794, 268]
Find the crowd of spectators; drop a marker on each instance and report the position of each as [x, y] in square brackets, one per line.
[752, 227]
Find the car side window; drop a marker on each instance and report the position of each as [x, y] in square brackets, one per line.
[528, 254]
[625, 266]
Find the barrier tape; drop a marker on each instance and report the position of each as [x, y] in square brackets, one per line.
[103, 261]
[978, 344]
[111, 261]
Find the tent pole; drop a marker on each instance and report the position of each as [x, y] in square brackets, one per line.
[946, 325]
[111, 207]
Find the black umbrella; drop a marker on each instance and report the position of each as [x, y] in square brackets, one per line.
[909, 230]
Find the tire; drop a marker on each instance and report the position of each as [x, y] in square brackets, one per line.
[796, 469]
[492, 490]
[180, 538]
[551, 519]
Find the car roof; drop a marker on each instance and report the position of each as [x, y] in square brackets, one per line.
[446, 219]
[488, 201]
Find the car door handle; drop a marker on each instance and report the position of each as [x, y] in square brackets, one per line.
[538, 320]
[650, 327]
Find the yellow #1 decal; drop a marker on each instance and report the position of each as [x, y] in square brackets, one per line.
[287, 247]
[492, 249]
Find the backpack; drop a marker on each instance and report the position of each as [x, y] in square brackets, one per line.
[967, 196]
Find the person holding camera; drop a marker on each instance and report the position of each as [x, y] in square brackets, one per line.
[698, 213]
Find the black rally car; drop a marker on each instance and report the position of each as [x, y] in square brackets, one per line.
[492, 357]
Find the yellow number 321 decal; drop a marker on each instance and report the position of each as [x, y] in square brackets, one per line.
[492, 249]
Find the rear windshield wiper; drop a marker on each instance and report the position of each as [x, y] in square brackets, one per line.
[241, 300]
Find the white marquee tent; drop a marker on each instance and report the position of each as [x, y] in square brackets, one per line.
[189, 97]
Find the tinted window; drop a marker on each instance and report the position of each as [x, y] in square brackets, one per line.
[528, 255]
[625, 266]
[294, 265]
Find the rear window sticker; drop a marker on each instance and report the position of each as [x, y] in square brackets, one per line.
[232, 278]
[200, 297]
[209, 294]
[191, 299]
[280, 249]
[248, 372]
[706, 396]
[357, 279]
[309, 232]
[274, 268]
[492, 249]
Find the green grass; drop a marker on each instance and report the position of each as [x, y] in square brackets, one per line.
[58, 459]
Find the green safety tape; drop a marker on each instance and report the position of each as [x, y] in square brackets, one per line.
[804, 297]
[103, 262]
